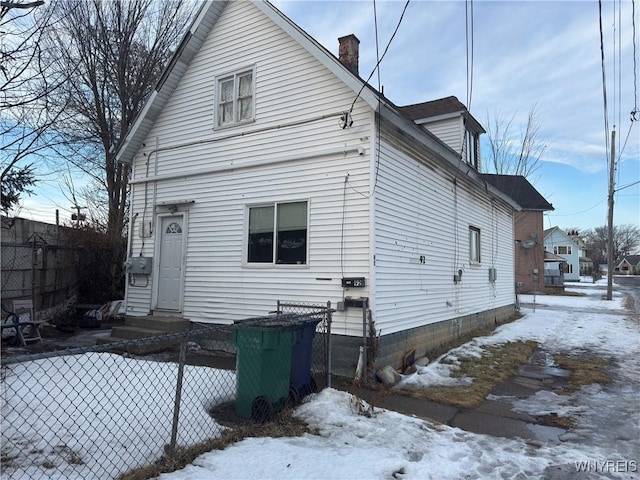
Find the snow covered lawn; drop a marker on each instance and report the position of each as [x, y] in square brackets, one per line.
[390, 445]
[385, 445]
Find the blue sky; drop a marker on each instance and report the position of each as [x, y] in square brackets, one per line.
[524, 53]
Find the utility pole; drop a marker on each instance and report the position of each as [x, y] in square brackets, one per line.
[78, 217]
[610, 266]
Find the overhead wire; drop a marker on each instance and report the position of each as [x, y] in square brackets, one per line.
[618, 103]
[375, 69]
[469, 47]
[381, 58]
[604, 82]
[634, 112]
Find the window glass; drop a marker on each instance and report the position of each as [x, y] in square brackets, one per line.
[260, 235]
[562, 250]
[245, 100]
[474, 245]
[173, 227]
[226, 102]
[284, 222]
[236, 98]
[292, 233]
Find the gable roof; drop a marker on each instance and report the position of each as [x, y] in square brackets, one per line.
[632, 259]
[550, 231]
[519, 188]
[440, 108]
[203, 23]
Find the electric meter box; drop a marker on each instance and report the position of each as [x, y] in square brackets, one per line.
[139, 265]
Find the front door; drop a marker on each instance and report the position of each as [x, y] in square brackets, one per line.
[169, 294]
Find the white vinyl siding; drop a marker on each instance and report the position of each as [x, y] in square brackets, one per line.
[450, 131]
[422, 229]
[296, 150]
[286, 155]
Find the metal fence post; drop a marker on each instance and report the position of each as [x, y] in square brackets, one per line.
[365, 366]
[328, 340]
[176, 405]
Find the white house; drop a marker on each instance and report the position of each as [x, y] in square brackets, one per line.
[265, 169]
[559, 243]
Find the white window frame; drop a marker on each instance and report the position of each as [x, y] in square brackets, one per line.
[475, 244]
[273, 263]
[235, 76]
[472, 148]
[556, 250]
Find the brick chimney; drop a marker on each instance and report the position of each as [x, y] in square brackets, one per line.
[348, 52]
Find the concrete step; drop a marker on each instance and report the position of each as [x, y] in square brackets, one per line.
[127, 332]
[141, 348]
[161, 323]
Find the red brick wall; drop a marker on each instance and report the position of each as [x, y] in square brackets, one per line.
[527, 260]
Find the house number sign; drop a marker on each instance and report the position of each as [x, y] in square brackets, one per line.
[356, 282]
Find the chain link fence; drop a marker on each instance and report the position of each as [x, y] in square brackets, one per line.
[102, 411]
[321, 351]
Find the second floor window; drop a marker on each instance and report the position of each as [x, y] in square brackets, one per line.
[472, 149]
[235, 98]
[562, 250]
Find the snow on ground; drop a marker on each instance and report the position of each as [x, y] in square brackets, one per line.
[89, 414]
[389, 445]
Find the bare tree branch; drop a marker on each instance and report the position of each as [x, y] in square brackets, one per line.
[511, 153]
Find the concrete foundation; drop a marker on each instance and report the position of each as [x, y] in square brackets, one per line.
[392, 348]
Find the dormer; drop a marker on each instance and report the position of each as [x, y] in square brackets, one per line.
[450, 121]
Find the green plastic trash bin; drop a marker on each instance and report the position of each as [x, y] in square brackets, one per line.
[263, 366]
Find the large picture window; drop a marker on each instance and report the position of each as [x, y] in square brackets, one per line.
[474, 245]
[235, 98]
[278, 234]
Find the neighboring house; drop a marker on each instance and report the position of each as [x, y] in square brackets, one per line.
[554, 268]
[529, 248]
[265, 169]
[586, 264]
[629, 265]
[559, 243]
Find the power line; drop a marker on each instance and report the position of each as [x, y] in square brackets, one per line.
[634, 112]
[382, 57]
[604, 81]
[625, 141]
[577, 213]
[627, 186]
[469, 49]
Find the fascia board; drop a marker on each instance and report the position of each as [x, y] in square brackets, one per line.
[189, 46]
